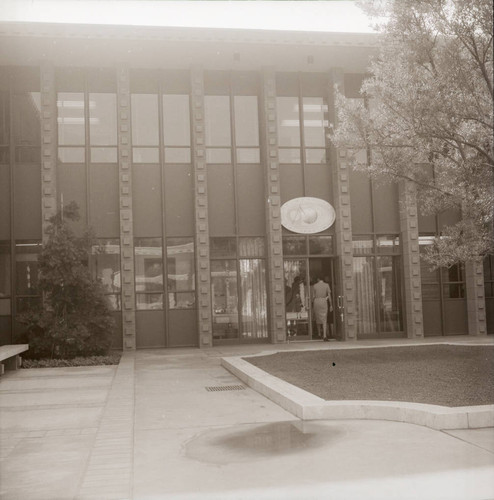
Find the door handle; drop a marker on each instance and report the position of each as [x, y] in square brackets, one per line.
[340, 302]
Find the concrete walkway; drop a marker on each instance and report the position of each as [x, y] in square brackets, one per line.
[151, 429]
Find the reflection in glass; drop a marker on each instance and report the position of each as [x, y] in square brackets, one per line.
[103, 155]
[246, 121]
[5, 307]
[4, 122]
[145, 121]
[26, 268]
[145, 155]
[315, 156]
[289, 155]
[105, 264]
[176, 120]
[223, 248]
[364, 294]
[149, 273]
[296, 297]
[218, 155]
[217, 118]
[254, 299]
[388, 244]
[71, 155]
[389, 276]
[320, 245]
[103, 119]
[363, 245]
[149, 301]
[288, 121]
[71, 123]
[177, 155]
[27, 154]
[4, 271]
[27, 114]
[251, 247]
[225, 299]
[294, 245]
[181, 273]
[315, 122]
[248, 155]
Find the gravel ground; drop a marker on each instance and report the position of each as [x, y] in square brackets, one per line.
[437, 374]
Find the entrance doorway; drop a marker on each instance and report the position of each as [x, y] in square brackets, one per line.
[300, 275]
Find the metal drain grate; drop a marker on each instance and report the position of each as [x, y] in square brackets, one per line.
[216, 388]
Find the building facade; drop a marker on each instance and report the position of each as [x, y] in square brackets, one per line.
[180, 147]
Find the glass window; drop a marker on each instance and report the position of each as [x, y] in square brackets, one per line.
[389, 279]
[26, 268]
[149, 273]
[363, 245]
[320, 245]
[254, 299]
[251, 247]
[289, 155]
[105, 267]
[27, 128]
[27, 154]
[145, 155]
[5, 307]
[224, 294]
[246, 121]
[388, 244]
[489, 276]
[288, 122]
[176, 120]
[103, 119]
[454, 281]
[294, 245]
[315, 156]
[218, 155]
[145, 120]
[71, 155]
[71, 123]
[181, 273]
[217, 117]
[177, 155]
[223, 247]
[363, 271]
[248, 155]
[104, 155]
[315, 122]
[4, 271]
[4, 120]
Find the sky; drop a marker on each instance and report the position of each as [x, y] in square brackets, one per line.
[324, 15]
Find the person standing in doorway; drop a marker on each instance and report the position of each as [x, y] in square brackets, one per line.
[321, 302]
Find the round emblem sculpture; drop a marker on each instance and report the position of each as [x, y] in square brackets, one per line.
[307, 215]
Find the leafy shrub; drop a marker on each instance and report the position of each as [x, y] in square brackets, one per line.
[111, 359]
[75, 318]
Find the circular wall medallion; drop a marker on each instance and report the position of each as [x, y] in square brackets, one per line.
[307, 215]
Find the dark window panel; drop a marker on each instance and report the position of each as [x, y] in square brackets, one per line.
[148, 265]
[26, 268]
[353, 83]
[217, 118]
[287, 84]
[314, 84]
[5, 262]
[223, 247]
[27, 116]
[144, 81]
[217, 83]
[101, 80]
[176, 82]
[4, 120]
[224, 293]
[26, 79]
[294, 245]
[246, 121]
[70, 79]
[245, 83]
[71, 121]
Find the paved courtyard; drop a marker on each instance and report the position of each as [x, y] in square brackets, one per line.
[150, 429]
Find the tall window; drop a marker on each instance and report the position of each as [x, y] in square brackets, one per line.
[5, 279]
[377, 271]
[302, 126]
[105, 267]
[27, 130]
[238, 288]
[26, 274]
[489, 276]
[180, 268]
[148, 273]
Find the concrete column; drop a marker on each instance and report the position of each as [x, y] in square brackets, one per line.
[48, 147]
[414, 323]
[474, 277]
[203, 274]
[343, 224]
[125, 203]
[276, 286]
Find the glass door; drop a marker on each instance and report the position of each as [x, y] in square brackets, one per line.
[322, 267]
[297, 300]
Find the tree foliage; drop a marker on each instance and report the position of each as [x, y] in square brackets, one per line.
[75, 319]
[428, 115]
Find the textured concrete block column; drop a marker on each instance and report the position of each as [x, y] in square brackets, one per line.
[273, 215]
[125, 203]
[203, 274]
[474, 277]
[48, 146]
[343, 224]
[414, 323]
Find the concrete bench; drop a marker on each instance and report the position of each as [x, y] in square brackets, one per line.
[9, 356]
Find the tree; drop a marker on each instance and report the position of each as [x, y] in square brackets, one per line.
[75, 318]
[428, 115]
